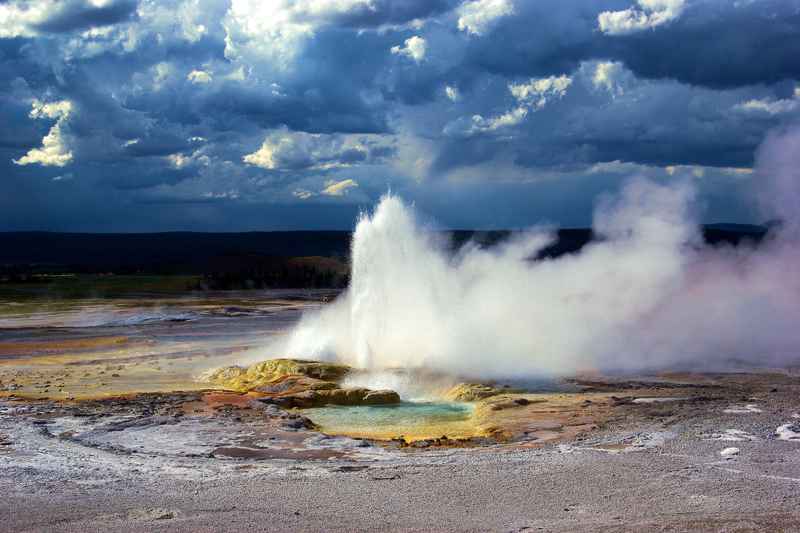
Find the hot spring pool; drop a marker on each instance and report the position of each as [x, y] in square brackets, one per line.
[412, 420]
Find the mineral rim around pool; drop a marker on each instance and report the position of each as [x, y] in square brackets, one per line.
[337, 409]
[460, 411]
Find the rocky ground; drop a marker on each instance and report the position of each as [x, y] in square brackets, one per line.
[94, 436]
[665, 453]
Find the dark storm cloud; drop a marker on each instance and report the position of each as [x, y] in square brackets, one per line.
[159, 143]
[70, 15]
[542, 38]
[713, 43]
[19, 68]
[322, 93]
[186, 116]
[19, 132]
[718, 44]
[649, 122]
[127, 175]
[312, 110]
[382, 12]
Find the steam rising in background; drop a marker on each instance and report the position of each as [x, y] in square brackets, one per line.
[648, 295]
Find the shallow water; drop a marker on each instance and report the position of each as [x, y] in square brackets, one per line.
[412, 420]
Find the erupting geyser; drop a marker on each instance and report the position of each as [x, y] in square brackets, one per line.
[647, 294]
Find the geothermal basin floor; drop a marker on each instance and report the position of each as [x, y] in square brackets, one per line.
[137, 464]
[82, 449]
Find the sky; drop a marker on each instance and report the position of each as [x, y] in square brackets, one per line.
[241, 115]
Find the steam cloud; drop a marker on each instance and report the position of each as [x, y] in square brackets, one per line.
[648, 295]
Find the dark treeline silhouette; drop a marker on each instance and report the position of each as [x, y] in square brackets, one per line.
[222, 261]
[161, 253]
[254, 272]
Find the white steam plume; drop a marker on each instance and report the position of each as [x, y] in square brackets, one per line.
[647, 295]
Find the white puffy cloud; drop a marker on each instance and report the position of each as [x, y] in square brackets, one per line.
[648, 14]
[452, 93]
[18, 19]
[477, 16]
[189, 13]
[465, 85]
[538, 91]
[186, 20]
[199, 77]
[332, 187]
[531, 96]
[275, 30]
[771, 106]
[608, 75]
[27, 18]
[54, 150]
[266, 156]
[288, 150]
[507, 119]
[303, 194]
[161, 73]
[264, 29]
[231, 194]
[415, 48]
[317, 11]
[56, 110]
[180, 161]
[338, 188]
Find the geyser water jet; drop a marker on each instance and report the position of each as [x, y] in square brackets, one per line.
[647, 295]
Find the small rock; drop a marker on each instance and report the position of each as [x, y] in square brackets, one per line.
[625, 400]
[379, 397]
[385, 477]
[729, 452]
[351, 468]
[152, 514]
[297, 422]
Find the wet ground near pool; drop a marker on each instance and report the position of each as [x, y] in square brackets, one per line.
[93, 347]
